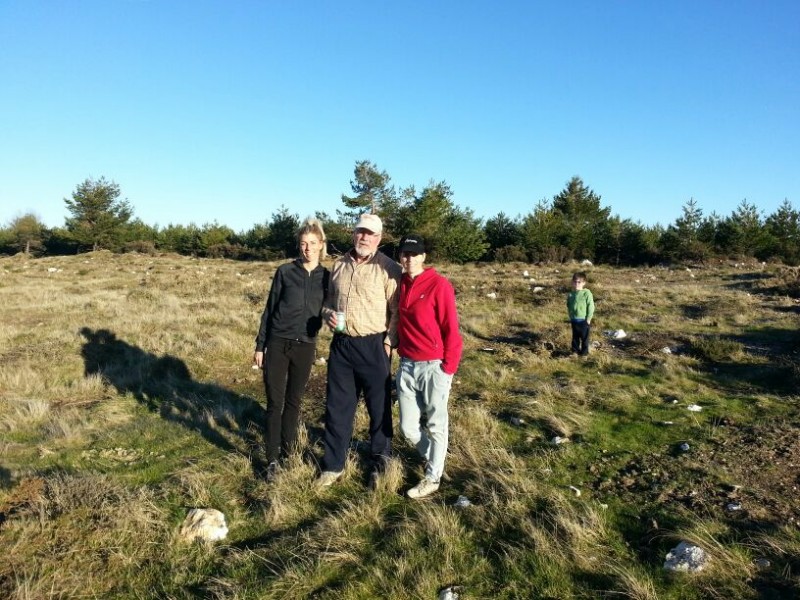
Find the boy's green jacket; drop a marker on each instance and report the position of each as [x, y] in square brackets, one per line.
[580, 304]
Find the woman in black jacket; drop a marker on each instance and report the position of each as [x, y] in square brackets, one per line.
[286, 341]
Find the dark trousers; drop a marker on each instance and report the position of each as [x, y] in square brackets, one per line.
[580, 337]
[357, 364]
[286, 370]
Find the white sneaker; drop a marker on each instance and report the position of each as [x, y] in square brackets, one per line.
[328, 478]
[426, 487]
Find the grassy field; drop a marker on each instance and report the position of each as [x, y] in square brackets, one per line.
[127, 398]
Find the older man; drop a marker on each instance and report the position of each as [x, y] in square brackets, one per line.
[364, 287]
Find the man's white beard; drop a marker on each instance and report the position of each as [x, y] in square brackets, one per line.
[362, 252]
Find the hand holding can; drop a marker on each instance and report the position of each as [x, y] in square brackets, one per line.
[339, 322]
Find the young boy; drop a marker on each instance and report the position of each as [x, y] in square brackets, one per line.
[580, 305]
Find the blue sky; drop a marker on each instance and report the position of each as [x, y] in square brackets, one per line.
[224, 111]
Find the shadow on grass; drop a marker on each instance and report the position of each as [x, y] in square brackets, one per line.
[780, 375]
[165, 385]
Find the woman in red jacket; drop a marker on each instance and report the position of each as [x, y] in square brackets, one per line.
[429, 345]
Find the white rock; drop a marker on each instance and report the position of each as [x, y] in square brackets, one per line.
[559, 440]
[666, 350]
[575, 490]
[685, 447]
[586, 262]
[255, 367]
[694, 408]
[320, 361]
[537, 289]
[686, 557]
[517, 421]
[450, 593]
[734, 506]
[616, 334]
[491, 295]
[462, 502]
[204, 524]
[525, 274]
[52, 270]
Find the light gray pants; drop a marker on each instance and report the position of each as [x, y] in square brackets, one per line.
[423, 389]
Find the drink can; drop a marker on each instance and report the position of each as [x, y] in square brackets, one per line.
[340, 322]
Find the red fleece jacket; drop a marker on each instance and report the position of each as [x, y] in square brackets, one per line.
[428, 324]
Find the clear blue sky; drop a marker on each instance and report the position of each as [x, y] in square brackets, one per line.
[226, 110]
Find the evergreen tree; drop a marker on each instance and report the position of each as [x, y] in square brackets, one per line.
[502, 232]
[541, 233]
[371, 194]
[283, 232]
[783, 229]
[681, 240]
[27, 233]
[98, 215]
[582, 218]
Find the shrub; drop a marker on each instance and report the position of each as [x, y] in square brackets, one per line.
[508, 254]
[140, 246]
[716, 349]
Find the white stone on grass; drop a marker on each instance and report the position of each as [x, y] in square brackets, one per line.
[207, 524]
[687, 558]
[694, 408]
[616, 334]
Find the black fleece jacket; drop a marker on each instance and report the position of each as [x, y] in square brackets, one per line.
[294, 304]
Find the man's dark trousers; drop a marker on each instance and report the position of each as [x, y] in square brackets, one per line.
[357, 364]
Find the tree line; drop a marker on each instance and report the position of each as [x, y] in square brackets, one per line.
[571, 225]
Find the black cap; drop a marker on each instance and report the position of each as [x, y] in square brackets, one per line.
[412, 243]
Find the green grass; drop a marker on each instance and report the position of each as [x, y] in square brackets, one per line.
[128, 399]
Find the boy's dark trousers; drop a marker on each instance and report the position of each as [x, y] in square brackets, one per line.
[580, 337]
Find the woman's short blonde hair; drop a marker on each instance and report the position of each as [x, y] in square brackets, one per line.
[311, 225]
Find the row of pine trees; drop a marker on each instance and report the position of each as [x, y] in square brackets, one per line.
[572, 225]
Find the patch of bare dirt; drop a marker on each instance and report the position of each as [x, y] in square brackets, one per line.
[751, 474]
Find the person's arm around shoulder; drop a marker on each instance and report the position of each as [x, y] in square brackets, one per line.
[392, 292]
[329, 305]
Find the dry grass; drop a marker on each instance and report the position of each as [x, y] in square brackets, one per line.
[127, 397]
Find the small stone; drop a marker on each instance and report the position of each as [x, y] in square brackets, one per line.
[206, 524]
[575, 490]
[517, 421]
[733, 506]
[685, 447]
[694, 408]
[452, 592]
[462, 502]
[762, 563]
[686, 557]
[557, 440]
